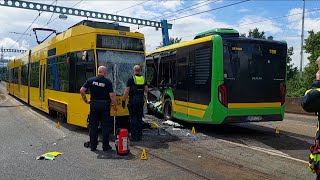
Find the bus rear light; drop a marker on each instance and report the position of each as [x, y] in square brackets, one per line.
[283, 93]
[222, 93]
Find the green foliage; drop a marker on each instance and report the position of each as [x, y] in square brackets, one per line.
[312, 46]
[171, 41]
[255, 33]
[292, 70]
[295, 86]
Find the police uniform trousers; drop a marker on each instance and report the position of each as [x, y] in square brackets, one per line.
[135, 107]
[99, 113]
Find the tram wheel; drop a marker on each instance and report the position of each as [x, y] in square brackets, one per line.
[167, 109]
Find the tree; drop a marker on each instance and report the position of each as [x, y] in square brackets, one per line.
[312, 47]
[255, 33]
[171, 41]
[292, 70]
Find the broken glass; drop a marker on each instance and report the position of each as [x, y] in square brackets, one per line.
[120, 66]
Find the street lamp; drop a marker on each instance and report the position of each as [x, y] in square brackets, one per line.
[63, 16]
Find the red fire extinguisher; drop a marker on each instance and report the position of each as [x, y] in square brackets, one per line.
[122, 142]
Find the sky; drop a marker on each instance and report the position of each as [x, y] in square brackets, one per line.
[278, 18]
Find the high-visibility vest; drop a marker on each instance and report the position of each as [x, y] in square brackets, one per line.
[318, 89]
[138, 80]
[137, 90]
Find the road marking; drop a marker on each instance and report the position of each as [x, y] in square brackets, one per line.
[300, 124]
[6, 98]
[268, 151]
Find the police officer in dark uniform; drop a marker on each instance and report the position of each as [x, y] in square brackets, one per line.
[101, 93]
[136, 87]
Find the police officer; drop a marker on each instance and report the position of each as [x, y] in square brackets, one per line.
[101, 93]
[136, 87]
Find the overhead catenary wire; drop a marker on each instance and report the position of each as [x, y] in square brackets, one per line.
[26, 30]
[213, 9]
[58, 15]
[185, 9]
[52, 12]
[132, 6]
[267, 19]
[40, 12]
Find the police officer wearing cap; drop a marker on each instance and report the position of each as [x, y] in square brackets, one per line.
[101, 93]
[136, 87]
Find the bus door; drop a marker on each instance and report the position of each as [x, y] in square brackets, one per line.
[180, 91]
[199, 84]
[42, 84]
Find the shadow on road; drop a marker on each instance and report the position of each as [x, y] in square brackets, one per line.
[113, 155]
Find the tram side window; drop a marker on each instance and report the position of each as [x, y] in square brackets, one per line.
[63, 73]
[84, 67]
[58, 73]
[24, 75]
[15, 75]
[10, 75]
[34, 74]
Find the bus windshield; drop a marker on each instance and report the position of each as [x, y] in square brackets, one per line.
[253, 69]
[120, 66]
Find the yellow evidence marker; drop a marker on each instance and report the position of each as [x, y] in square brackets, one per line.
[144, 155]
[58, 125]
[193, 131]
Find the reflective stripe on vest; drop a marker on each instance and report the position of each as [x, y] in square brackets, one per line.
[318, 89]
[138, 80]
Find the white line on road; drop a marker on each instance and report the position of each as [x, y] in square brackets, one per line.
[268, 151]
[6, 98]
[300, 124]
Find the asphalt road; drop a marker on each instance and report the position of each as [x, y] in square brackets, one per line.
[242, 151]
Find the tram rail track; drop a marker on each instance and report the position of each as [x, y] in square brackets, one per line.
[257, 174]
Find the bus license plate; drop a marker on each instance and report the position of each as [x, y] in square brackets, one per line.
[254, 118]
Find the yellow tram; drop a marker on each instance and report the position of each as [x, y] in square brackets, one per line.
[49, 76]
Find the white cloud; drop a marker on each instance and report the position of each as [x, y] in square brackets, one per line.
[295, 23]
[242, 10]
[267, 25]
[8, 43]
[167, 4]
[295, 20]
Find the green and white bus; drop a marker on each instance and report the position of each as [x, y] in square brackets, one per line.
[219, 77]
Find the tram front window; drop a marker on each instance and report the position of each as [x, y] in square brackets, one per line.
[119, 66]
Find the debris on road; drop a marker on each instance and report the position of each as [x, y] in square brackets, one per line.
[171, 123]
[49, 155]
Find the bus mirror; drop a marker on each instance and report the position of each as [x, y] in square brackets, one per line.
[84, 55]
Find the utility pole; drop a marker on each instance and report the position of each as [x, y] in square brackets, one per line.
[302, 36]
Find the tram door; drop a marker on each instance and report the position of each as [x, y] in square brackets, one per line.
[42, 84]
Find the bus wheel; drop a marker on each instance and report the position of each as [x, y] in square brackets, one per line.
[167, 109]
